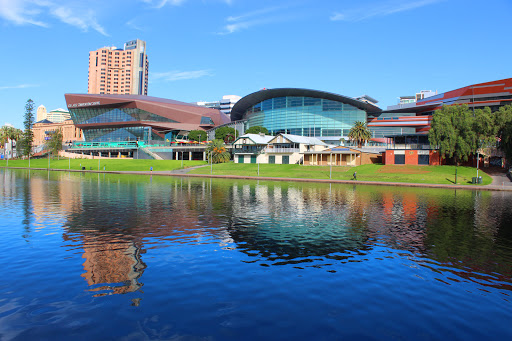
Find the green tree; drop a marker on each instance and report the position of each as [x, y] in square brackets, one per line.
[54, 144]
[29, 121]
[11, 135]
[503, 123]
[360, 133]
[452, 132]
[222, 132]
[257, 130]
[197, 135]
[217, 152]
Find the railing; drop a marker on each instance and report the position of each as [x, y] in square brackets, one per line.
[408, 146]
[246, 151]
[117, 145]
[281, 150]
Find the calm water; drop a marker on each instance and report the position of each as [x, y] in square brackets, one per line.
[101, 257]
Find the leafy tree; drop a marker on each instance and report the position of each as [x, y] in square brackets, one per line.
[360, 133]
[10, 134]
[29, 121]
[503, 123]
[197, 135]
[54, 144]
[217, 152]
[452, 132]
[257, 130]
[222, 132]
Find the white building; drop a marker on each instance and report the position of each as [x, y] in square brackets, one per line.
[280, 149]
[225, 104]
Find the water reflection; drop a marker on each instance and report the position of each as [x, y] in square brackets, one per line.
[115, 220]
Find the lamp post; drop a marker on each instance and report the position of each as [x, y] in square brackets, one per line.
[330, 168]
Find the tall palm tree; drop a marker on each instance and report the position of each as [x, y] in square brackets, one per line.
[217, 152]
[360, 133]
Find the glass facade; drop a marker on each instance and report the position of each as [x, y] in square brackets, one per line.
[306, 116]
[109, 115]
[116, 115]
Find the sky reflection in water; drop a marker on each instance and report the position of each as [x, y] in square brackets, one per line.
[198, 258]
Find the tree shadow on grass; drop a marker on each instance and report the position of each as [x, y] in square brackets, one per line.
[451, 181]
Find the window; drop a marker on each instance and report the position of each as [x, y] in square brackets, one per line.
[272, 159]
[253, 158]
[286, 160]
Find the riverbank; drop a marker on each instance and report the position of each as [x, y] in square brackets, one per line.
[181, 173]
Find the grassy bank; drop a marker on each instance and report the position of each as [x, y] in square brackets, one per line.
[104, 164]
[389, 173]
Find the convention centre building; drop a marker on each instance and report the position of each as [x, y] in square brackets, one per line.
[304, 112]
[117, 118]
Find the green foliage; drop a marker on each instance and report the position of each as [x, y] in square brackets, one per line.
[503, 122]
[197, 135]
[257, 130]
[29, 121]
[11, 134]
[226, 134]
[360, 133]
[54, 144]
[452, 132]
[217, 152]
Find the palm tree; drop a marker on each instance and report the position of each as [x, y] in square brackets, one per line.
[217, 152]
[360, 133]
[10, 134]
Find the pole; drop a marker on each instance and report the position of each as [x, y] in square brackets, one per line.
[330, 168]
[48, 160]
[98, 163]
[258, 169]
[181, 159]
[211, 163]
[69, 167]
[477, 163]
[455, 175]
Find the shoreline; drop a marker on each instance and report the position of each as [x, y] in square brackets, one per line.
[240, 177]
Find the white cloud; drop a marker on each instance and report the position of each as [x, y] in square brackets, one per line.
[254, 18]
[162, 3]
[83, 21]
[20, 86]
[172, 76]
[380, 10]
[133, 25]
[20, 12]
[23, 12]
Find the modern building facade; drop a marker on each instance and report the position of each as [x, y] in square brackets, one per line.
[304, 112]
[119, 71]
[120, 118]
[414, 117]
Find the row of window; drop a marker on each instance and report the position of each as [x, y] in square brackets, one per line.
[107, 115]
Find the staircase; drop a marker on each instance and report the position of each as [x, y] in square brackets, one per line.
[150, 153]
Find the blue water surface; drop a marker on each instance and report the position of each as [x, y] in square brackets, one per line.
[112, 257]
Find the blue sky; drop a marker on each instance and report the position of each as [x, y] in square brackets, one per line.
[203, 49]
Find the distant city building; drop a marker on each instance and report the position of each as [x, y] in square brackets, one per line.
[54, 116]
[119, 71]
[225, 104]
[41, 113]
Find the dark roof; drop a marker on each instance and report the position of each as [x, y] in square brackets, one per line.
[248, 101]
[45, 121]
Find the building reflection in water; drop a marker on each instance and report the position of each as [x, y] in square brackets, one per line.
[115, 219]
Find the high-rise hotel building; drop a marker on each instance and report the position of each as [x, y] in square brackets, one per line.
[119, 71]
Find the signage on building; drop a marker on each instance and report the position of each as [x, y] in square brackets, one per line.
[86, 104]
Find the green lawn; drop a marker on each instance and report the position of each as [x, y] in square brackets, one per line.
[391, 173]
[107, 164]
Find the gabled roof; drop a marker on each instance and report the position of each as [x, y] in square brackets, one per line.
[45, 121]
[256, 138]
[303, 139]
